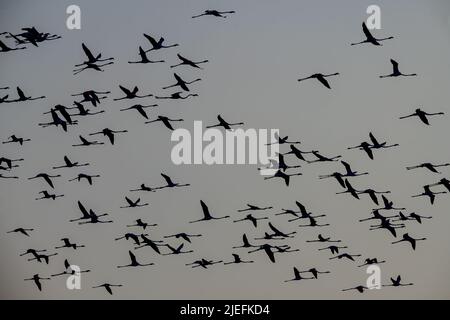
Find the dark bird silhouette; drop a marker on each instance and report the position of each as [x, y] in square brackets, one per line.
[131, 94]
[396, 72]
[92, 96]
[37, 281]
[350, 190]
[252, 219]
[150, 243]
[43, 257]
[237, 259]
[70, 164]
[397, 283]
[33, 36]
[284, 176]
[108, 133]
[187, 62]
[321, 238]
[346, 255]
[177, 250]
[333, 249]
[297, 276]
[5, 48]
[428, 193]
[339, 176]
[315, 272]
[140, 108]
[267, 249]
[57, 121]
[376, 215]
[34, 252]
[142, 224]
[366, 147]
[370, 38]
[206, 214]
[223, 123]
[46, 177]
[87, 177]
[134, 204]
[412, 216]
[63, 111]
[184, 236]
[444, 182]
[87, 215]
[422, 115]
[388, 225]
[46, 195]
[429, 166]
[170, 183]
[157, 45]
[165, 120]
[91, 58]
[214, 13]
[283, 140]
[143, 187]
[203, 263]
[389, 205]
[14, 139]
[371, 261]
[412, 241]
[85, 142]
[144, 58]
[373, 194]
[68, 244]
[9, 162]
[378, 145]
[321, 78]
[360, 289]
[251, 207]
[297, 152]
[130, 236]
[67, 266]
[246, 243]
[181, 83]
[134, 262]
[108, 287]
[313, 223]
[23, 231]
[93, 218]
[304, 213]
[93, 66]
[322, 158]
[177, 96]
[82, 111]
[23, 97]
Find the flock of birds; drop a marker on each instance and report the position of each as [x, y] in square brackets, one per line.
[385, 217]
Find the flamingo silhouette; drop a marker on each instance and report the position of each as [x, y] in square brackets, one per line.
[87, 177]
[23, 97]
[91, 58]
[166, 121]
[37, 281]
[251, 207]
[134, 204]
[46, 195]
[140, 108]
[428, 193]
[142, 224]
[187, 62]
[412, 241]
[252, 219]
[108, 133]
[85, 142]
[422, 115]
[177, 96]
[67, 266]
[215, 13]
[322, 158]
[181, 83]
[23, 231]
[46, 177]
[91, 96]
[144, 58]
[429, 166]
[371, 261]
[157, 45]
[397, 282]
[321, 238]
[297, 276]
[396, 72]
[134, 262]
[284, 176]
[68, 244]
[177, 250]
[237, 259]
[246, 243]
[370, 38]
[14, 139]
[184, 236]
[207, 215]
[70, 164]
[108, 287]
[321, 78]
[170, 183]
[224, 124]
[131, 94]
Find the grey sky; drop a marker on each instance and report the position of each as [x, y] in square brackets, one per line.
[255, 57]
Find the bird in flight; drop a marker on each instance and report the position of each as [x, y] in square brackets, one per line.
[207, 215]
[396, 72]
[187, 62]
[214, 13]
[422, 115]
[165, 120]
[321, 78]
[370, 38]
[109, 133]
[144, 58]
[157, 45]
[37, 281]
[108, 287]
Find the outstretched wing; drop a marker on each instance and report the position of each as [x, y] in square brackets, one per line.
[205, 209]
[88, 52]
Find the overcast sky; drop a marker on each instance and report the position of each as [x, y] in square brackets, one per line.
[255, 58]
